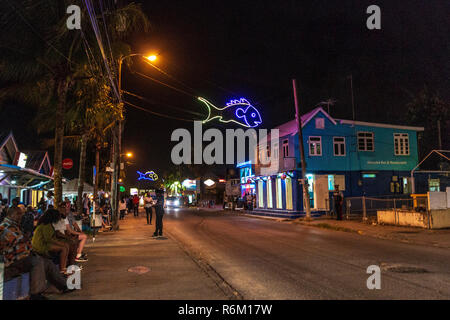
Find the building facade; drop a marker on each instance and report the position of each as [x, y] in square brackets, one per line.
[361, 158]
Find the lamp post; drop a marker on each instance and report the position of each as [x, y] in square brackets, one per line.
[117, 143]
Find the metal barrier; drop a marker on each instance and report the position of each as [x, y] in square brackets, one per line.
[366, 207]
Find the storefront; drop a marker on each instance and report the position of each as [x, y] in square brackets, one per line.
[246, 176]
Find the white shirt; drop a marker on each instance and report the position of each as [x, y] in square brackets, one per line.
[61, 225]
[148, 202]
[122, 205]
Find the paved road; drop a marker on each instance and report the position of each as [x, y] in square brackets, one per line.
[266, 259]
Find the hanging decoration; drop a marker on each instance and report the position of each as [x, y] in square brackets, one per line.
[238, 111]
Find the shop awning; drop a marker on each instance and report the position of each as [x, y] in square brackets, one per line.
[18, 177]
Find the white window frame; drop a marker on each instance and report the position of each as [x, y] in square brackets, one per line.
[339, 143]
[365, 139]
[402, 149]
[285, 148]
[315, 153]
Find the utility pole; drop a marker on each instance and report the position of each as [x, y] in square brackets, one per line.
[353, 99]
[439, 141]
[302, 154]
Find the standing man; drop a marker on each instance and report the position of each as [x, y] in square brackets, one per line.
[148, 202]
[136, 205]
[159, 213]
[338, 199]
[86, 210]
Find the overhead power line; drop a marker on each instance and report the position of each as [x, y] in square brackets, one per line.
[158, 114]
[165, 105]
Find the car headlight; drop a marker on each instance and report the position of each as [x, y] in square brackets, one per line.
[177, 202]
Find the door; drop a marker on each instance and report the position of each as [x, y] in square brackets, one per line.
[321, 192]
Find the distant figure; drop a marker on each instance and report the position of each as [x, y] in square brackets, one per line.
[122, 208]
[136, 205]
[148, 202]
[86, 204]
[338, 198]
[159, 207]
[50, 200]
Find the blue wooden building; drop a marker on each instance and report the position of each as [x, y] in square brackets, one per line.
[363, 158]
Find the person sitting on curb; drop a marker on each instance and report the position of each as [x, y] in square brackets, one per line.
[19, 258]
[72, 232]
[45, 243]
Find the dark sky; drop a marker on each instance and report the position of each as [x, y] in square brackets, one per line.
[231, 49]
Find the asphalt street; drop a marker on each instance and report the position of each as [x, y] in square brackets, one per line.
[267, 259]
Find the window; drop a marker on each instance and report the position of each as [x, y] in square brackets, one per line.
[279, 194]
[320, 123]
[289, 204]
[339, 146]
[401, 144]
[285, 148]
[365, 141]
[315, 146]
[275, 151]
[269, 193]
[434, 185]
[268, 152]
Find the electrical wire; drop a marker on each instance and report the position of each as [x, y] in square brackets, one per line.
[158, 114]
[167, 85]
[37, 33]
[166, 105]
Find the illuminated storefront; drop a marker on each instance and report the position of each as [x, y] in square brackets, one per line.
[246, 176]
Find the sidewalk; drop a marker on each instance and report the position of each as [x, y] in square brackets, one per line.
[172, 273]
[438, 238]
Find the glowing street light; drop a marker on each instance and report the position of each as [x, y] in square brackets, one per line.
[151, 57]
[129, 154]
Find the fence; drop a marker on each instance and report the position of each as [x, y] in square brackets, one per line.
[367, 207]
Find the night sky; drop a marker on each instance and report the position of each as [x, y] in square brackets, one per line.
[231, 49]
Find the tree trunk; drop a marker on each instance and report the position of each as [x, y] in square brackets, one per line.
[59, 140]
[81, 173]
[115, 176]
[97, 169]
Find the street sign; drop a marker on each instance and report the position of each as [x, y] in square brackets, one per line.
[67, 164]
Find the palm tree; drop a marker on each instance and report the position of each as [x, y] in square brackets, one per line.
[44, 59]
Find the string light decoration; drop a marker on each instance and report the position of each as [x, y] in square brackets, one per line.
[239, 111]
[149, 175]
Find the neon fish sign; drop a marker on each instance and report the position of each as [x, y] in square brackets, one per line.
[239, 111]
[149, 175]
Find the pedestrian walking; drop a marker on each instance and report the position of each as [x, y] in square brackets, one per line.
[159, 208]
[148, 202]
[136, 205]
[122, 208]
[338, 199]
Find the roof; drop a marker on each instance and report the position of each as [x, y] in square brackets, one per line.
[35, 159]
[290, 127]
[5, 138]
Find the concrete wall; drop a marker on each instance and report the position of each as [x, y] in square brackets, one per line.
[403, 218]
[439, 219]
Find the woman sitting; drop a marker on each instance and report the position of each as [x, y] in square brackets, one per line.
[44, 240]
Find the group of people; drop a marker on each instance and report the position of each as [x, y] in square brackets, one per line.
[151, 206]
[37, 242]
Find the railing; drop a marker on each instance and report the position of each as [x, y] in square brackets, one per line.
[367, 207]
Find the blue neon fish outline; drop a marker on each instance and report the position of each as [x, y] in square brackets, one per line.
[239, 113]
[149, 175]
